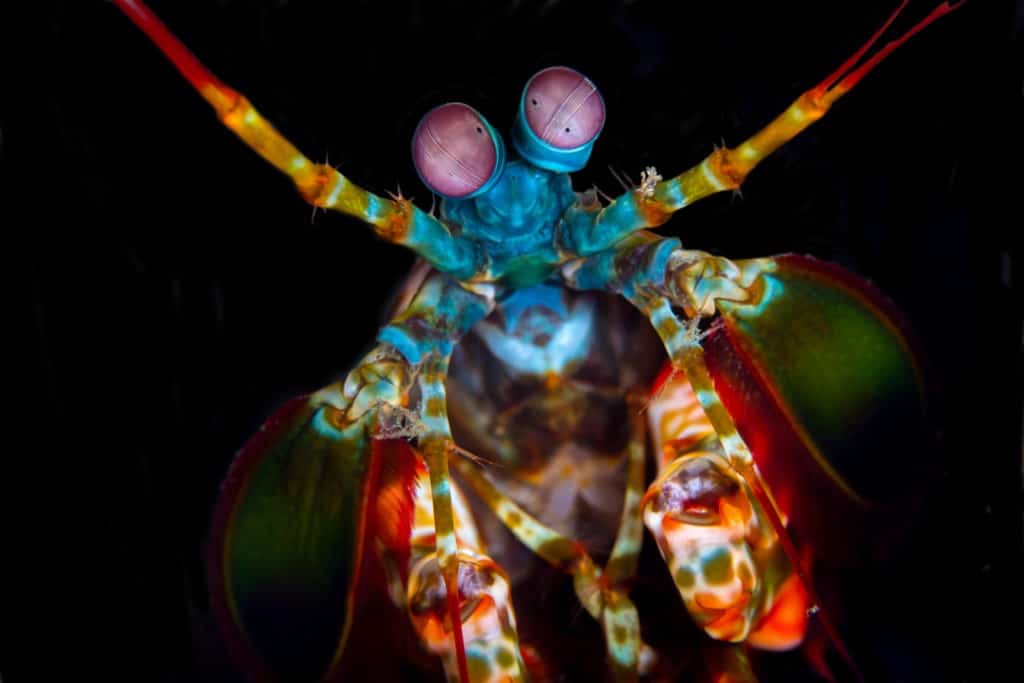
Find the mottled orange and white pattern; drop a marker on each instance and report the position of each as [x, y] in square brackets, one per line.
[676, 420]
[421, 539]
[723, 554]
[488, 619]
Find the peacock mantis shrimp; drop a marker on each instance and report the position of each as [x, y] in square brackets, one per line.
[510, 342]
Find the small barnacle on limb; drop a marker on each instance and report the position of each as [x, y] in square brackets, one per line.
[649, 179]
[396, 422]
[694, 335]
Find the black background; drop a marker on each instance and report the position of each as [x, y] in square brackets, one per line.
[174, 288]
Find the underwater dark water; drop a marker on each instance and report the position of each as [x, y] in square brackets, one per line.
[174, 289]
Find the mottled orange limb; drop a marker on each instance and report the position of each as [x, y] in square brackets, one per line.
[599, 592]
[436, 446]
[435, 451]
[622, 563]
[552, 547]
[691, 361]
[395, 220]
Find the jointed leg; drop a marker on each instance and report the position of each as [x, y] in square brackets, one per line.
[303, 503]
[424, 333]
[399, 389]
[603, 593]
[608, 604]
[620, 619]
[720, 548]
[410, 554]
[689, 357]
[436, 445]
[654, 274]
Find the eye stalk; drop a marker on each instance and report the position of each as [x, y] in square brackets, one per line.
[456, 152]
[561, 113]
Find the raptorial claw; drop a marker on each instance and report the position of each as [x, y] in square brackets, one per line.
[702, 517]
[720, 548]
[488, 623]
[698, 281]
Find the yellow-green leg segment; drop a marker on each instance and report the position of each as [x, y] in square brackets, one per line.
[602, 592]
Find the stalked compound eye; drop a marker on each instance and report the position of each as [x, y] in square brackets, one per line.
[563, 108]
[456, 152]
[560, 116]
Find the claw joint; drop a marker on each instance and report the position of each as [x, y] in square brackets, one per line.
[318, 186]
[723, 164]
[379, 380]
[697, 281]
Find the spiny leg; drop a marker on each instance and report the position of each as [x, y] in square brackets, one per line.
[436, 445]
[571, 557]
[327, 478]
[603, 593]
[590, 229]
[721, 549]
[408, 551]
[637, 270]
[621, 621]
[294, 520]
[424, 334]
[396, 220]
[687, 354]
[486, 618]
[398, 390]
[653, 274]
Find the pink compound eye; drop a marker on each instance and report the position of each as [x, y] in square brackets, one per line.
[455, 150]
[563, 107]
